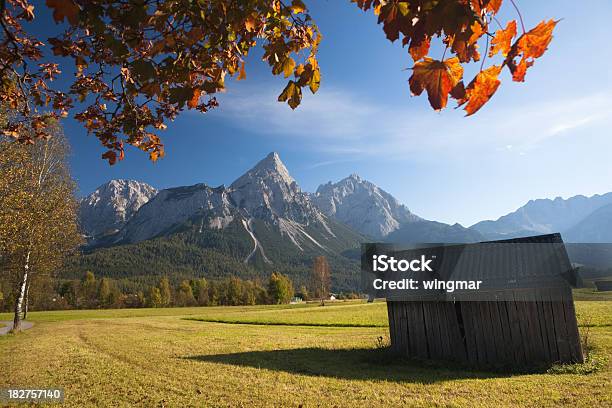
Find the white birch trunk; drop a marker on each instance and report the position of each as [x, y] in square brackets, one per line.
[21, 294]
[27, 300]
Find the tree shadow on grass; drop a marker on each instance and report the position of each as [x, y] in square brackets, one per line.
[351, 364]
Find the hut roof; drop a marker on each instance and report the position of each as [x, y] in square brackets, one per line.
[537, 262]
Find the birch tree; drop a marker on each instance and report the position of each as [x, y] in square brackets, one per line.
[38, 223]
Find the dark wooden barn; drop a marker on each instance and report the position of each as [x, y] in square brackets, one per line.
[523, 316]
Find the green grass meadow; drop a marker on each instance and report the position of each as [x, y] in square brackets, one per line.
[290, 355]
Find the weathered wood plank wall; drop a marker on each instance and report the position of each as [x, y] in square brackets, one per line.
[536, 328]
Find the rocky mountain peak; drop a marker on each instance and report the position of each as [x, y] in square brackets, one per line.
[271, 167]
[112, 204]
[268, 191]
[363, 206]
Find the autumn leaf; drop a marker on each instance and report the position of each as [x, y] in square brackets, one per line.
[520, 69]
[292, 94]
[64, 8]
[288, 67]
[111, 156]
[486, 5]
[419, 49]
[534, 43]
[391, 15]
[458, 92]
[315, 81]
[438, 78]
[154, 155]
[494, 5]
[477, 32]
[529, 46]
[150, 89]
[298, 6]
[195, 98]
[250, 23]
[242, 73]
[502, 40]
[481, 89]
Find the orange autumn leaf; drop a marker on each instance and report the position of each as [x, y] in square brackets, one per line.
[298, 6]
[64, 8]
[481, 89]
[419, 49]
[242, 72]
[494, 5]
[250, 24]
[518, 74]
[529, 46]
[477, 32]
[534, 43]
[154, 155]
[502, 40]
[195, 98]
[483, 5]
[438, 78]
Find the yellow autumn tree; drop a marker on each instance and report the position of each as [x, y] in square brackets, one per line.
[38, 224]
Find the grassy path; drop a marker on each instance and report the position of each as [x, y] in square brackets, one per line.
[6, 326]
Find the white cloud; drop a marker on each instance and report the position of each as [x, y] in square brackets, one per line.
[565, 126]
[340, 122]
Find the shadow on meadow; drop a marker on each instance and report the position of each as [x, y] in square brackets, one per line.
[350, 364]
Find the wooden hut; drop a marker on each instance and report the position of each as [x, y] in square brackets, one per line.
[523, 316]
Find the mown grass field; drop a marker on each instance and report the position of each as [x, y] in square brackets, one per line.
[288, 356]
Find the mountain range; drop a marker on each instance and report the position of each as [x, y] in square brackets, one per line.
[578, 219]
[264, 222]
[261, 223]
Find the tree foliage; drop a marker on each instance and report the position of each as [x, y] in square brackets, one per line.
[139, 63]
[462, 26]
[184, 295]
[93, 292]
[165, 291]
[38, 226]
[280, 289]
[321, 278]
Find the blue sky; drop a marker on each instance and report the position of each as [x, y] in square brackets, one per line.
[545, 138]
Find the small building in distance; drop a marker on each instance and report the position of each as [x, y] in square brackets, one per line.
[603, 285]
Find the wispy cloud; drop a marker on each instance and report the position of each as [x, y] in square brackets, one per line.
[341, 122]
[329, 163]
[565, 126]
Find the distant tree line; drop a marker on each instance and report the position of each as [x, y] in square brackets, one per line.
[101, 293]
[91, 292]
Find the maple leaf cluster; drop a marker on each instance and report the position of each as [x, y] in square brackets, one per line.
[24, 77]
[138, 64]
[460, 25]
